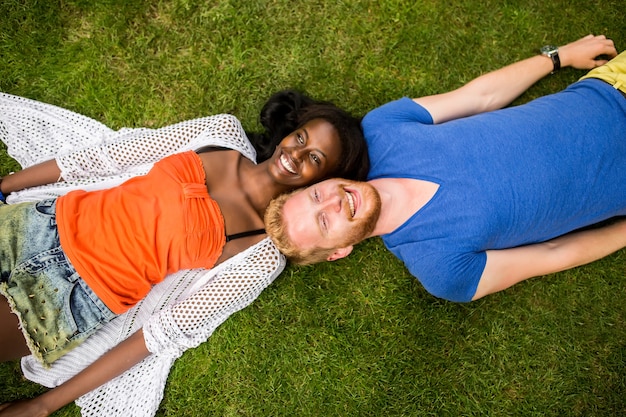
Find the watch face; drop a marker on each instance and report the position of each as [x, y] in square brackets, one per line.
[548, 50]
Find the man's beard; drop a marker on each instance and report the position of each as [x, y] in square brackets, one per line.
[363, 227]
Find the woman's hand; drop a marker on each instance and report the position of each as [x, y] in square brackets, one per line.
[24, 408]
[582, 53]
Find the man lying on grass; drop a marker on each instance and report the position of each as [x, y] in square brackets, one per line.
[474, 198]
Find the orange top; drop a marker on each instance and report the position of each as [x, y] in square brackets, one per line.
[125, 239]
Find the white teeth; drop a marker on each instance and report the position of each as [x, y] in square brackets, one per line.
[286, 163]
[350, 202]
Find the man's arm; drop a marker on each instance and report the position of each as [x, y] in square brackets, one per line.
[499, 88]
[509, 266]
[113, 363]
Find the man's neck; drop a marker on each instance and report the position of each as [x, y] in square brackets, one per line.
[400, 199]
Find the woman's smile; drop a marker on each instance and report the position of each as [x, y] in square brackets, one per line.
[288, 163]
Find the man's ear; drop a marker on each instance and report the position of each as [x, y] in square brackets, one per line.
[340, 253]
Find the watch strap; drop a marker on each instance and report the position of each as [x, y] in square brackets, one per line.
[552, 52]
[556, 61]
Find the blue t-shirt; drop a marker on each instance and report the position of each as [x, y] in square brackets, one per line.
[511, 177]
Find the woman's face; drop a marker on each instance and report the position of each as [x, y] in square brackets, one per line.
[307, 155]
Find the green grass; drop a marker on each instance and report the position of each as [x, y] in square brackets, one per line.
[359, 337]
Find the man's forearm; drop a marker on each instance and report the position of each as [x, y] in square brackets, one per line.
[501, 87]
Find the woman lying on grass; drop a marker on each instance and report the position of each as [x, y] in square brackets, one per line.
[195, 218]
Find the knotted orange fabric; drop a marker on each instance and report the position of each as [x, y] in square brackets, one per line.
[125, 239]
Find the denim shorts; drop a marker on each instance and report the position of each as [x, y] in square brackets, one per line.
[56, 309]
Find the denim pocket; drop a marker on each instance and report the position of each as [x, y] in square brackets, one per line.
[47, 207]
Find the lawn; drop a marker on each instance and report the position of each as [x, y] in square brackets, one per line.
[358, 337]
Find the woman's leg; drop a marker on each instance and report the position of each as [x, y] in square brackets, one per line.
[57, 311]
[13, 344]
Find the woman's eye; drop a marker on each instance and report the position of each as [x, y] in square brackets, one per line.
[300, 138]
[316, 159]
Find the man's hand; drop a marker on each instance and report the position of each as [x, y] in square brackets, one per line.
[583, 53]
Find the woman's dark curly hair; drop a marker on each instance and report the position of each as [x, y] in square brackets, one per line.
[288, 110]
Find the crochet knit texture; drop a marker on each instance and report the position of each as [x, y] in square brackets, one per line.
[179, 313]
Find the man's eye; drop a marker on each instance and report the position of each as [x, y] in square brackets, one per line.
[324, 222]
[316, 195]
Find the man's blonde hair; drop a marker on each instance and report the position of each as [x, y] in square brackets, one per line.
[276, 228]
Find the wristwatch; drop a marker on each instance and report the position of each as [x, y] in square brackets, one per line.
[552, 52]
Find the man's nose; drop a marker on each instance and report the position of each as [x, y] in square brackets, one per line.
[333, 203]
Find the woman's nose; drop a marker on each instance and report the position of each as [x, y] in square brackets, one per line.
[298, 153]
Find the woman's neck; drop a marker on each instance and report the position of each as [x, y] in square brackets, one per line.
[257, 184]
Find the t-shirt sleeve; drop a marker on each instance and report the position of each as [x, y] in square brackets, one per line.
[447, 275]
[404, 110]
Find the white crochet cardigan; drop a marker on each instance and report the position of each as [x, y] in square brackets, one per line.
[183, 310]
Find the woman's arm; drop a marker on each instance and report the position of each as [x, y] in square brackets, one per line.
[499, 88]
[175, 329]
[240, 282]
[131, 148]
[113, 363]
[507, 267]
[39, 174]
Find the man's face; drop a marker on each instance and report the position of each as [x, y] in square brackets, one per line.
[332, 214]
